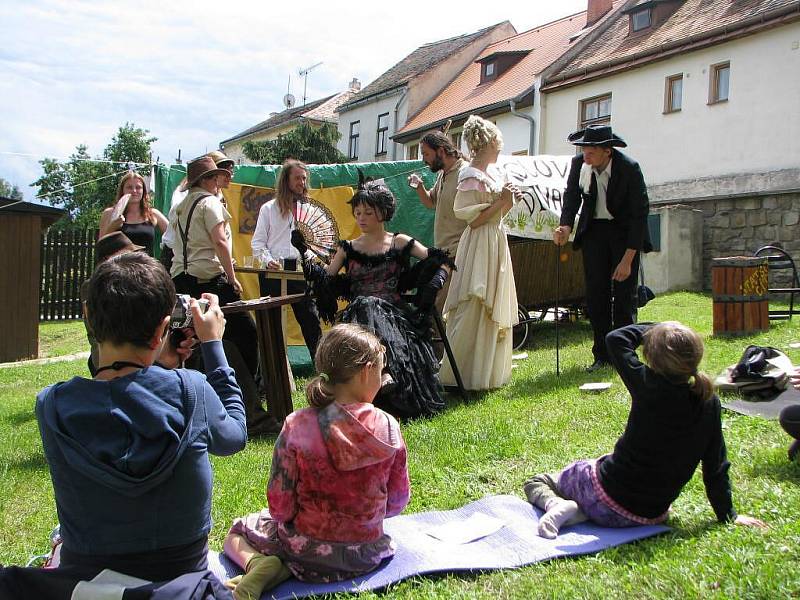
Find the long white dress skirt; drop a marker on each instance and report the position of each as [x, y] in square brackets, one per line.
[481, 305]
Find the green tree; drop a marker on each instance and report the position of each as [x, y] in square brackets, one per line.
[9, 191]
[309, 143]
[84, 187]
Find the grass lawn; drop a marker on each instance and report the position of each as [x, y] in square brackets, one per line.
[491, 445]
[58, 338]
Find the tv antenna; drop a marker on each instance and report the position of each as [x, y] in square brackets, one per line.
[289, 100]
[304, 74]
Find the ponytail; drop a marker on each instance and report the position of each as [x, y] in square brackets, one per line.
[319, 391]
[343, 351]
[674, 351]
[701, 386]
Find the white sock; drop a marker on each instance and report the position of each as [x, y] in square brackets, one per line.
[558, 512]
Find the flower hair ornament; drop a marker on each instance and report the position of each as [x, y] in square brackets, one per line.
[363, 180]
[375, 194]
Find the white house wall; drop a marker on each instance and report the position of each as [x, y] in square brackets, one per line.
[755, 131]
[368, 115]
[235, 149]
[515, 130]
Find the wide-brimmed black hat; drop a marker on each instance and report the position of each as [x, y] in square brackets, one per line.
[596, 135]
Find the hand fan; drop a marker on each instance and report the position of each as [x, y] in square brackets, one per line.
[120, 207]
[315, 221]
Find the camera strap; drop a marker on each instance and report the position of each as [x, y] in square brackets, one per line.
[118, 365]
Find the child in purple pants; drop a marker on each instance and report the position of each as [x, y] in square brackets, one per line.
[673, 425]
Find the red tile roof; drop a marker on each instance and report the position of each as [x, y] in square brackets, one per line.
[693, 21]
[546, 43]
[420, 60]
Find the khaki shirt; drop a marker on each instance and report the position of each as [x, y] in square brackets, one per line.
[447, 229]
[203, 262]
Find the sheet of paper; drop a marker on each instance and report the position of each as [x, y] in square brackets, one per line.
[475, 527]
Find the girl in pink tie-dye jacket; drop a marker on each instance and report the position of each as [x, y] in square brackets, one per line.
[339, 468]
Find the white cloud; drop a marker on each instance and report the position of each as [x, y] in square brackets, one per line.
[194, 73]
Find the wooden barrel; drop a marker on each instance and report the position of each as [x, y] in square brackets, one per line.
[740, 286]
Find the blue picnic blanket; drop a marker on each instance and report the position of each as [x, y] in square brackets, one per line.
[515, 544]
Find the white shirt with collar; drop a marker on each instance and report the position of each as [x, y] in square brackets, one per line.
[601, 206]
[602, 177]
[272, 239]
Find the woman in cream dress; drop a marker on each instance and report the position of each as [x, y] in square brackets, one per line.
[481, 306]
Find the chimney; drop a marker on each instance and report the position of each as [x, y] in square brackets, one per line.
[355, 85]
[595, 10]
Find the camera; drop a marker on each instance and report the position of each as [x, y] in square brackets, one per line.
[182, 314]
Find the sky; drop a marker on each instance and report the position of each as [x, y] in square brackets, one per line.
[194, 73]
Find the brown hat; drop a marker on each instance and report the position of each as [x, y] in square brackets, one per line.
[113, 243]
[199, 168]
[222, 161]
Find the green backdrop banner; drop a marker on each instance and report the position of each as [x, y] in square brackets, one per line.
[411, 217]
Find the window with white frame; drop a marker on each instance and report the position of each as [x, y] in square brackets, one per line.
[456, 139]
[595, 111]
[413, 152]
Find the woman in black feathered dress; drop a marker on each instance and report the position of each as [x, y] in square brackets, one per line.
[377, 271]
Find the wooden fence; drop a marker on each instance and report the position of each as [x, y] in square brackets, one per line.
[67, 261]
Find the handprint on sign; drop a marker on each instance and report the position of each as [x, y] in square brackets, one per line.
[539, 222]
[522, 220]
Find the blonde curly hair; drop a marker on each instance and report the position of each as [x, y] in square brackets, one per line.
[479, 133]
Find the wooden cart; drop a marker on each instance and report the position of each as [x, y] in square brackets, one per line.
[535, 263]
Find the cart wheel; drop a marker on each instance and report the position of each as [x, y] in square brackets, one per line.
[521, 330]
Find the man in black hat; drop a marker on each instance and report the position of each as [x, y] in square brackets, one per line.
[608, 187]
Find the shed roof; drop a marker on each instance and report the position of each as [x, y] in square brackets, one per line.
[49, 214]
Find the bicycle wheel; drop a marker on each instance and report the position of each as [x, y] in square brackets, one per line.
[521, 330]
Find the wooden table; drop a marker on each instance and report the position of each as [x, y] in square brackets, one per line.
[280, 274]
[272, 350]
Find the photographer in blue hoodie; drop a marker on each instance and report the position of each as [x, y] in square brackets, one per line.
[128, 450]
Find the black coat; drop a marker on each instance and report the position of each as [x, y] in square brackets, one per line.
[626, 199]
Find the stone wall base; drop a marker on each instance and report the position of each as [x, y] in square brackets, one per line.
[742, 213]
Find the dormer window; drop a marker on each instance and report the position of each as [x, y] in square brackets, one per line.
[646, 15]
[493, 65]
[640, 20]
